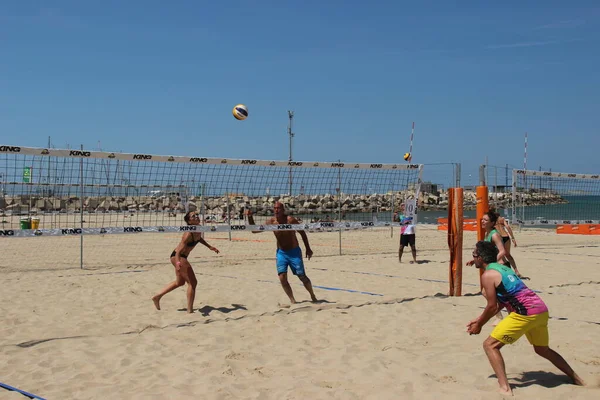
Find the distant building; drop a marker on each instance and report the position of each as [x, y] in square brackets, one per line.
[500, 188]
[428, 187]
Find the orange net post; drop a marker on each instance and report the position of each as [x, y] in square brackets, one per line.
[455, 239]
[482, 207]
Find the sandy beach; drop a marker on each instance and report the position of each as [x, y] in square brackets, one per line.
[383, 330]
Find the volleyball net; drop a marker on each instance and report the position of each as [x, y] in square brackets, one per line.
[545, 198]
[71, 193]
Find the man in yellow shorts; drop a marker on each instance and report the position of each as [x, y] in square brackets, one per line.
[528, 315]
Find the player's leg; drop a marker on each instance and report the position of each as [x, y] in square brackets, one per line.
[187, 272]
[559, 362]
[413, 247]
[508, 331]
[282, 266]
[178, 282]
[403, 243]
[492, 347]
[540, 340]
[286, 287]
[297, 266]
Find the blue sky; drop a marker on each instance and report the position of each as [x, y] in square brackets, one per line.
[152, 77]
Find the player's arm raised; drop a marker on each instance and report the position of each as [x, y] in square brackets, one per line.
[250, 216]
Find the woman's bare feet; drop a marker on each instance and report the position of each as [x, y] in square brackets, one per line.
[156, 300]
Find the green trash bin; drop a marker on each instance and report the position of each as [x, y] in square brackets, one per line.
[25, 223]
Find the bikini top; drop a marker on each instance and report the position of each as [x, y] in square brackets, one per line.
[193, 243]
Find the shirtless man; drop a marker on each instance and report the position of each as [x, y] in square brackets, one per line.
[289, 252]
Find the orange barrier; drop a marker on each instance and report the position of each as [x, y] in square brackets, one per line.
[469, 224]
[582, 229]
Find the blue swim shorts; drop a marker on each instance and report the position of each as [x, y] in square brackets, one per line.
[291, 258]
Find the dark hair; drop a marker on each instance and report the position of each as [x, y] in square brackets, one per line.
[487, 251]
[492, 216]
[493, 209]
[186, 217]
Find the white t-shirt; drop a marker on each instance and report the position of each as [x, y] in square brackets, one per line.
[409, 230]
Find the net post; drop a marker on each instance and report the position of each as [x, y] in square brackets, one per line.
[228, 215]
[482, 208]
[392, 216]
[202, 208]
[450, 240]
[513, 218]
[455, 239]
[339, 192]
[81, 210]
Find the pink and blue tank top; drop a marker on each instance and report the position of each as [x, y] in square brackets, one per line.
[513, 294]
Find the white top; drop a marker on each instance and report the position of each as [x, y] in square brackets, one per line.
[409, 229]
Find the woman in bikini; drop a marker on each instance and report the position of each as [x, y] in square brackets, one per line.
[488, 222]
[183, 269]
[508, 236]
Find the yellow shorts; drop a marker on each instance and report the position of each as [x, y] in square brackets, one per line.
[511, 328]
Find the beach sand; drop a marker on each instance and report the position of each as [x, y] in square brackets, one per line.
[383, 330]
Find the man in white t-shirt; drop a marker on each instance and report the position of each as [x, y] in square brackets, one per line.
[407, 237]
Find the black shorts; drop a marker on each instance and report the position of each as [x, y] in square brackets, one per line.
[405, 240]
[505, 239]
[181, 255]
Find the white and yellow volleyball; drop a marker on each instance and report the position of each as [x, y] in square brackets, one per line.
[407, 156]
[240, 112]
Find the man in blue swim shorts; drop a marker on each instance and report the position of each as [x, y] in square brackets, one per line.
[289, 253]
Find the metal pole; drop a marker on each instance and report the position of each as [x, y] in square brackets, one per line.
[496, 187]
[81, 210]
[514, 198]
[202, 208]
[525, 164]
[482, 175]
[49, 143]
[228, 216]
[393, 209]
[487, 173]
[458, 174]
[339, 190]
[291, 135]
[453, 176]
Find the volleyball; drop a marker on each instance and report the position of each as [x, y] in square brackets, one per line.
[407, 156]
[240, 112]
